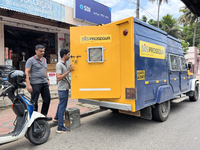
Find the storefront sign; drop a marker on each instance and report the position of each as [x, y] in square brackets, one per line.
[91, 11]
[42, 8]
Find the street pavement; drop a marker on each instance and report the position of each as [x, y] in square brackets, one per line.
[7, 116]
[109, 131]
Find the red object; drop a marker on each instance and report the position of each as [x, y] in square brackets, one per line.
[10, 53]
[6, 53]
[62, 39]
[52, 74]
[125, 32]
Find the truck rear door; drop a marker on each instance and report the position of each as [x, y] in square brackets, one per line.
[95, 53]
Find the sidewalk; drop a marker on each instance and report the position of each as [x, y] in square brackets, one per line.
[7, 116]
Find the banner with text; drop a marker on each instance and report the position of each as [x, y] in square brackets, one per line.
[43, 8]
[91, 11]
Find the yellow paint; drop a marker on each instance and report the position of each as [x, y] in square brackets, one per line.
[151, 50]
[140, 74]
[175, 79]
[157, 81]
[184, 78]
[165, 80]
[113, 73]
[190, 73]
[188, 77]
[95, 38]
[146, 82]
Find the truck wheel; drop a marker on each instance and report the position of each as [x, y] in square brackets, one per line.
[195, 96]
[161, 111]
[114, 110]
[40, 133]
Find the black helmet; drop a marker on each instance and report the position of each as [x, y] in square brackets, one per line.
[17, 78]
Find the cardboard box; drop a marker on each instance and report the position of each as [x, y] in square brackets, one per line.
[53, 59]
[51, 67]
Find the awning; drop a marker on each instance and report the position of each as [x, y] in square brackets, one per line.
[193, 5]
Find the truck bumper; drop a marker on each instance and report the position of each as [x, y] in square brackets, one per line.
[107, 104]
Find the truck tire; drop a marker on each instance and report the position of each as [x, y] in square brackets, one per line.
[161, 111]
[195, 96]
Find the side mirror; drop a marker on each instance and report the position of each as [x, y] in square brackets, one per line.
[189, 65]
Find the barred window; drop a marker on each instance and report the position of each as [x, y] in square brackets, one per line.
[174, 62]
[183, 64]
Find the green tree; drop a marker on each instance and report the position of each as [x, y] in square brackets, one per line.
[198, 46]
[169, 25]
[144, 18]
[185, 45]
[153, 23]
[188, 18]
[188, 34]
[159, 4]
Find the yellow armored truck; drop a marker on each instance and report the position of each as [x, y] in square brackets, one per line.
[130, 67]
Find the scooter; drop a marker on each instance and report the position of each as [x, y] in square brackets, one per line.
[28, 122]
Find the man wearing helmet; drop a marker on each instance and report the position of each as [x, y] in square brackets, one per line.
[37, 79]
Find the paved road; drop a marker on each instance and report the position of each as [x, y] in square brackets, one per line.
[109, 131]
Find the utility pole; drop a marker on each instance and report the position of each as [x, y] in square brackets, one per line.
[138, 8]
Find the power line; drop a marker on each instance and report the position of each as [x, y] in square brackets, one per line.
[130, 1]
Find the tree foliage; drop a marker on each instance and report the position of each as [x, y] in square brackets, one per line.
[144, 18]
[189, 18]
[169, 25]
[185, 45]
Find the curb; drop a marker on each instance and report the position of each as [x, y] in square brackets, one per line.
[91, 112]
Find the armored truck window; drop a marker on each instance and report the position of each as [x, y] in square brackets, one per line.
[174, 62]
[183, 64]
[95, 54]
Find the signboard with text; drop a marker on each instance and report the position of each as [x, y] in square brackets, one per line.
[43, 8]
[92, 11]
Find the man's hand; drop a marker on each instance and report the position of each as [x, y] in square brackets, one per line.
[71, 67]
[48, 82]
[29, 88]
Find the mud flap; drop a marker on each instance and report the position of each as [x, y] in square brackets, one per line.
[146, 113]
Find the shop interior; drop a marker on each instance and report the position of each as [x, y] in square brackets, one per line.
[20, 44]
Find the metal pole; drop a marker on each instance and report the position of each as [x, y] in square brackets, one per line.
[137, 10]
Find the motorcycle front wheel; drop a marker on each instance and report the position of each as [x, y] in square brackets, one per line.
[39, 132]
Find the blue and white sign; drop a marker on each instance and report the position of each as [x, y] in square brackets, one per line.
[92, 11]
[43, 8]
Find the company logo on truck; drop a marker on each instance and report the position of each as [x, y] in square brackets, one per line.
[96, 39]
[151, 50]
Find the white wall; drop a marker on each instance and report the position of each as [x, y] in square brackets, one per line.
[1, 43]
